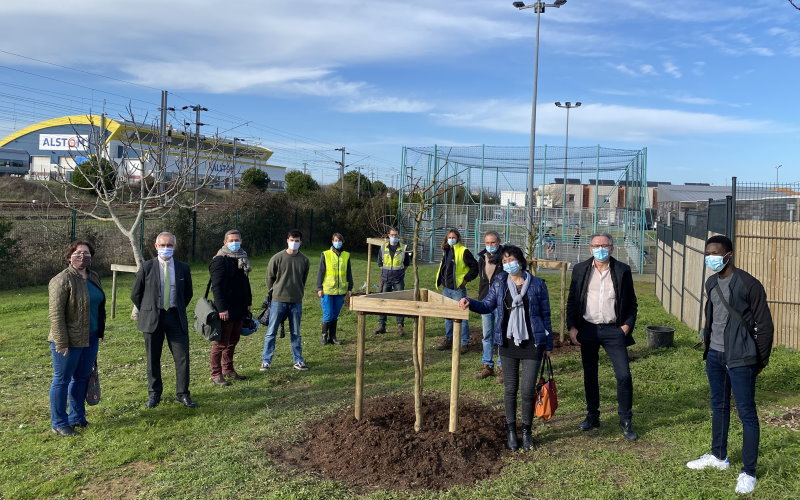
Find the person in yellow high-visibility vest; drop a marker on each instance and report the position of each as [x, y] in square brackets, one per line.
[334, 283]
[393, 259]
[458, 267]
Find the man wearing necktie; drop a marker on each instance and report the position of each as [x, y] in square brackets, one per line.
[161, 292]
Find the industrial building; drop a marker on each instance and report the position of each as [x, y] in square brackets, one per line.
[50, 150]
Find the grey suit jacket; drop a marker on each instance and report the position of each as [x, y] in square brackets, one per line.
[147, 289]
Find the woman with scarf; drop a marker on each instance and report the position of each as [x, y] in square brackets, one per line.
[232, 297]
[523, 333]
[77, 322]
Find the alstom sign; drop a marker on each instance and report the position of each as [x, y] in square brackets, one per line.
[63, 142]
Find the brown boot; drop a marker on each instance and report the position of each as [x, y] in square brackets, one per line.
[219, 381]
[444, 345]
[499, 374]
[486, 371]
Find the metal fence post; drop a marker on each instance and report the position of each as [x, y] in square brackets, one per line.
[73, 224]
[194, 234]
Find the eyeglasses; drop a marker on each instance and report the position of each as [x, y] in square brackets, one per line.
[82, 254]
[602, 246]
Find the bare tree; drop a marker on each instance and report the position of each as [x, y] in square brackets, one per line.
[425, 196]
[791, 2]
[167, 171]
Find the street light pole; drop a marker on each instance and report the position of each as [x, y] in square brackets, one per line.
[776, 172]
[568, 105]
[233, 171]
[538, 8]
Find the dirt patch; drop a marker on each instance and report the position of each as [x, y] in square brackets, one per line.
[788, 420]
[122, 482]
[382, 451]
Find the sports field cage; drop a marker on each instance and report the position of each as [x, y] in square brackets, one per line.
[577, 192]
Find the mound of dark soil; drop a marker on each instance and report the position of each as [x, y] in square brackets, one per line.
[382, 451]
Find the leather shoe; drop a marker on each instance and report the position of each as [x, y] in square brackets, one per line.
[590, 422]
[627, 430]
[186, 401]
[234, 376]
[219, 381]
[65, 431]
[153, 401]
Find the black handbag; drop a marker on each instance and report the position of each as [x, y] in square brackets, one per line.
[206, 318]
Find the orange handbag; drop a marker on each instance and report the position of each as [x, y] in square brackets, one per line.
[546, 394]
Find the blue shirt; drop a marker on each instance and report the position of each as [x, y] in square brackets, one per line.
[96, 297]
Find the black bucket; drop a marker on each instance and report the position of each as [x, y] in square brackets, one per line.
[660, 336]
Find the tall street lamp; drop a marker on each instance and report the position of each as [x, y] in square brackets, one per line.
[538, 8]
[568, 105]
[776, 172]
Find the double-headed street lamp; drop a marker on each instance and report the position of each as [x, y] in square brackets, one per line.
[538, 8]
[568, 105]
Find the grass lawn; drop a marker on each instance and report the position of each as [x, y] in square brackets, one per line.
[216, 450]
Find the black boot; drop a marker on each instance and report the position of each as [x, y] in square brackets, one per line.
[527, 437]
[332, 332]
[512, 444]
[325, 328]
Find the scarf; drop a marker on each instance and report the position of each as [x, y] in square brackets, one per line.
[517, 329]
[241, 256]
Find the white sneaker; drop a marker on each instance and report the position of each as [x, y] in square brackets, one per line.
[264, 367]
[708, 461]
[746, 483]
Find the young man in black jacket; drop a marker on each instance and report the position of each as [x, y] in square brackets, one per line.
[738, 341]
[601, 311]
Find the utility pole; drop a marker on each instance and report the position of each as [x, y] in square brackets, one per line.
[197, 109]
[358, 182]
[166, 142]
[304, 168]
[233, 171]
[341, 170]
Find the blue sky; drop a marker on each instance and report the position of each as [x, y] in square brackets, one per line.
[709, 87]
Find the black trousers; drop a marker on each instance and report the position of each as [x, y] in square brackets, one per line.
[523, 381]
[613, 340]
[169, 327]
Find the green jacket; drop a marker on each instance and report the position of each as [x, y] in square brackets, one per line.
[69, 309]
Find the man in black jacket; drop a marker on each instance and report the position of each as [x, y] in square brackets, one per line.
[229, 271]
[601, 311]
[738, 341]
[161, 292]
[489, 263]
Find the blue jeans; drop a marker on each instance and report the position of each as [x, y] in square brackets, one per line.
[70, 379]
[391, 287]
[742, 380]
[278, 312]
[489, 322]
[331, 306]
[456, 294]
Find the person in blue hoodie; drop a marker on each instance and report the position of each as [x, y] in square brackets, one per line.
[522, 331]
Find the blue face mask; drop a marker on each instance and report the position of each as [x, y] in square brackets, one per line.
[452, 241]
[234, 246]
[394, 241]
[511, 267]
[600, 254]
[715, 262]
[337, 244]
[491, 249]
[165, 252]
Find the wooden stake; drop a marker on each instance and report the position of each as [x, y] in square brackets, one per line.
[455, 375]
[360, 337]
[369, 266]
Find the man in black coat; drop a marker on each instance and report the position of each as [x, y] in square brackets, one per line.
[232, 297]
[601, 311]
[161, 292]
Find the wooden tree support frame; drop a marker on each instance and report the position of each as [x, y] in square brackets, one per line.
[430, 305]
[533, 265]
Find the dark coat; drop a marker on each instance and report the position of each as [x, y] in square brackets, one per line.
[483, 284]
[147, 289]
[538, 308]
[231, 287]
[745, 344]
[625, 307]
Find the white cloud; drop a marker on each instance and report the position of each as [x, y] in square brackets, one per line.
[602, 122]
[386, 104]
[626, 70]
[672, 69]
[647, 69]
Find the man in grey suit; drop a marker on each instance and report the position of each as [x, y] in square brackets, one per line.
[161, 292]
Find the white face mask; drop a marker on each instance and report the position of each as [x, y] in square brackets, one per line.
[293, 245]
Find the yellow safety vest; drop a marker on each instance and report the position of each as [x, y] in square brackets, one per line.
[335, 282]
[461, 267]
[393, 263]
